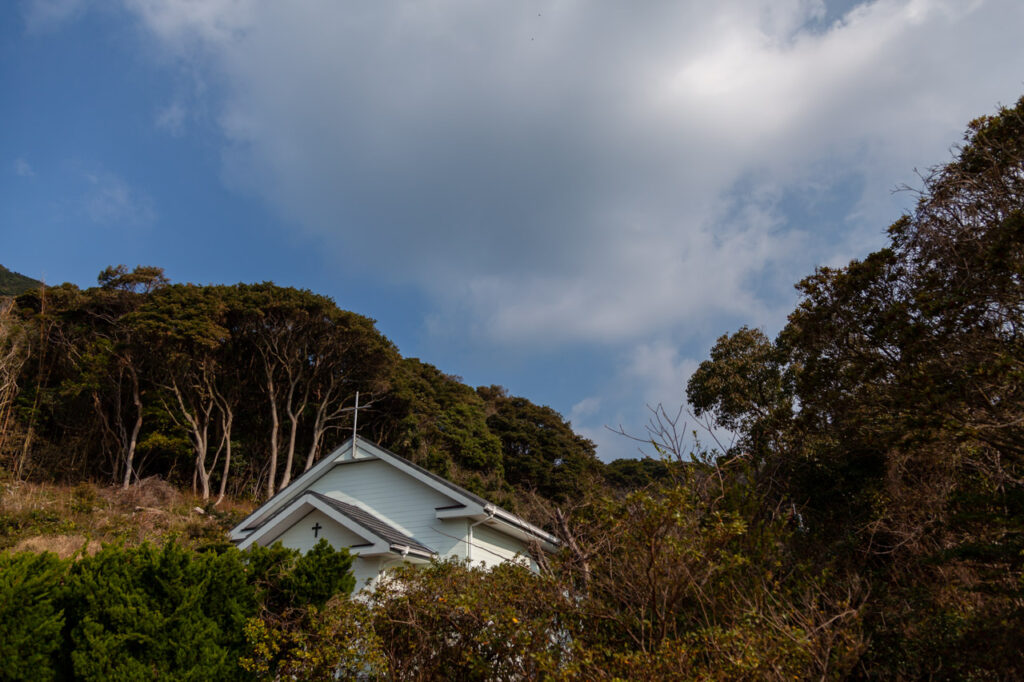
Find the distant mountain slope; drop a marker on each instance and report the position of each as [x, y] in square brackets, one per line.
[13, 283]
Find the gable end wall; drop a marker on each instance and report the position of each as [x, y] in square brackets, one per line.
[397, 498]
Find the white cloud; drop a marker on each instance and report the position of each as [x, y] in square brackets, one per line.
[649, 375]
[47, 15]
[555, 173]
[585, 408]
[171, 119]
[658, 368]
[567, 171]
[648, 389]
[23, 169]
[109, 200]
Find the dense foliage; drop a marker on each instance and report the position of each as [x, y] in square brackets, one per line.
[238, 389]
[13, 283]
[673, 582]
[130, 613]
[890, 413]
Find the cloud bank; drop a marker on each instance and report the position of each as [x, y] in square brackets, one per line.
[633, 176]
[572, 168]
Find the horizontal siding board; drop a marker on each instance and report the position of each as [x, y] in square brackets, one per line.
[492, 547]
[300, 536]
[401, 500]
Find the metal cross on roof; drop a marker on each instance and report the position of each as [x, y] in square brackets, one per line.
[355, 422]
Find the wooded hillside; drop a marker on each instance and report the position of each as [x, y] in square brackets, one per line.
[237, 389]
[13, 283]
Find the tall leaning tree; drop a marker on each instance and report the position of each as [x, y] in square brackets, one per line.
[310, 357]
[108, 355]
[185, 325]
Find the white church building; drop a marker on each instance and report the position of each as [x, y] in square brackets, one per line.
[388, 511]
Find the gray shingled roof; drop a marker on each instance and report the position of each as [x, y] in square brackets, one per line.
[373, 524]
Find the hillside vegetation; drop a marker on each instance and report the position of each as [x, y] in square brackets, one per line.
[65, 519]
[236, 390]
[13, 283]
[867, 524]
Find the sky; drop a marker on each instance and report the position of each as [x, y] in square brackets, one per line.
[571, 199]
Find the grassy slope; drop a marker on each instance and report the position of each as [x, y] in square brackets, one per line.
[13, 283]
[64, 520]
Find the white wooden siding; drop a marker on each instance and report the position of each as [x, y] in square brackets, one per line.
[365, 572]
[398, 499]
[491, 547]
[300, 535]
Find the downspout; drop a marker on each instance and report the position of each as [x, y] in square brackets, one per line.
[469, 545]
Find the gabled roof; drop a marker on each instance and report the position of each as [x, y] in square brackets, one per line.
[379, 536]
[466, 504]
[373, 524]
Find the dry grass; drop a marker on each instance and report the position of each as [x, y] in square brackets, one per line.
[151, 491]
[68, 519]
[64, 546]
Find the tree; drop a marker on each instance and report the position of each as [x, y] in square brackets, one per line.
[901, 445]
[177, 614]
[310, 356]
[441, 424]
[14, 351]
[540, 451]
[143, 279]
[185, 325]
[744, 388]
[453, 621]
[348, 354]
[112, 358]
[151, 613]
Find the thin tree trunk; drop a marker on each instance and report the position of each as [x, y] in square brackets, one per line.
[274, 429]
[286, 476]
[293, 416]
[198, 423]
[320, 425]
[41, 375]
[227, 419]
[129, 458]
[293, 419]
[12, 363]
[314, 448]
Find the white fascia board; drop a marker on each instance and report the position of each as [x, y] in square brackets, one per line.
[302, 506]
[548, 542]
[405, 467]
[503, 522]
[473, 511]
[294, 489]
[522, 526]
[506, 522]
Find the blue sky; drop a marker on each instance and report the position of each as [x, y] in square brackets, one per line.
[573, 200]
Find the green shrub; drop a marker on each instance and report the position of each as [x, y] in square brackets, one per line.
[30, 621]
[174, 613]
[84, 498]
[150, 613]
[320, 574]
